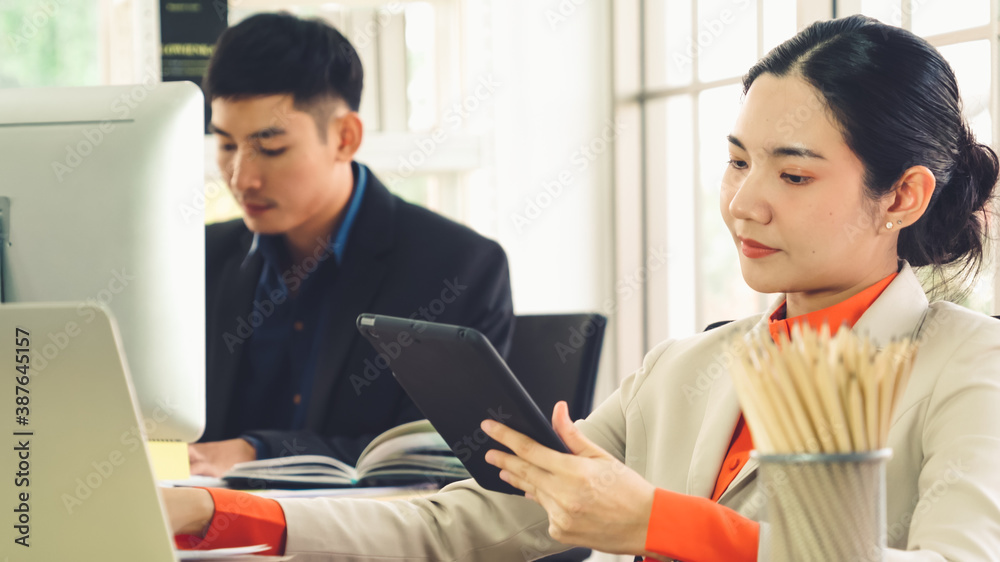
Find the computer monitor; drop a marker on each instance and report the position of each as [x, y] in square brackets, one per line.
[97, 186]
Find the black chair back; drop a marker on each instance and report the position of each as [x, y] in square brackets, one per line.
[555, 357]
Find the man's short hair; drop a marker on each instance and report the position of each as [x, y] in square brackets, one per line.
[268, 54]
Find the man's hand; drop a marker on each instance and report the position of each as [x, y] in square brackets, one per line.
[216, 457]
[189, 510]
[592, 499]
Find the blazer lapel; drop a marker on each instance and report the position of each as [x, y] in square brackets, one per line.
[892, 316]
[750, 468]
[898, 312]
[721, 415]
[357, 284]
[722, 411]
[240, 284]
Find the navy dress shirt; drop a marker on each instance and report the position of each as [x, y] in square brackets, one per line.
[280, 360]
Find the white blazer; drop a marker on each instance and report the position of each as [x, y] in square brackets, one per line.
[672, 421]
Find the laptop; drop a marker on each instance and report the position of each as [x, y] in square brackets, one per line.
[77, 482]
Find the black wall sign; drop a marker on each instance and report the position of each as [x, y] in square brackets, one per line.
[188, 31]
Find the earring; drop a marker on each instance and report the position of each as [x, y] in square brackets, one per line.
[899, 221]
[889, 225]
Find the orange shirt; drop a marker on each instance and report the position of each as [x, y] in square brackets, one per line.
[240, 519]
[693, 529]
[686, 528]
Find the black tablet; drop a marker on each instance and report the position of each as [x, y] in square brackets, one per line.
[457, 379]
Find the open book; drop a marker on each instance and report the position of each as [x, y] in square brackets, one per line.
[410, 453]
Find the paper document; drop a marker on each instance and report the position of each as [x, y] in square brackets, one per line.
[230, 554]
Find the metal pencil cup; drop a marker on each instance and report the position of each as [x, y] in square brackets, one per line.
[823, 507]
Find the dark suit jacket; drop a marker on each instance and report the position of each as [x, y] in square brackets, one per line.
[400, 260]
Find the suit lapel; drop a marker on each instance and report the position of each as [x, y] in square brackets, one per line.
[240, 284]
[355, 288]
[722, 412]
[897, 313]
[721, 415]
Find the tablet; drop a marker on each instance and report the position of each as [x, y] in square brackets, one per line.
[457, 379]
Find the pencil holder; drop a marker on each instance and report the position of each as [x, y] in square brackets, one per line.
[823, 507]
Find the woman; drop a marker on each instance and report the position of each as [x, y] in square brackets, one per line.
[849, 163]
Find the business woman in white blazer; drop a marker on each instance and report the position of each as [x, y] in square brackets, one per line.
[849, 162]
[671, 422]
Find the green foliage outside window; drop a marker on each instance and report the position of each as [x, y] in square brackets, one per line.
[49, 43]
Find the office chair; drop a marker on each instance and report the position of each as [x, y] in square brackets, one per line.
[555, 357]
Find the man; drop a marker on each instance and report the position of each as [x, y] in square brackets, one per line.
[321, 241]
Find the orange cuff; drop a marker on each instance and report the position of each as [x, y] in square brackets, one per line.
[240, 519]
[699, 530]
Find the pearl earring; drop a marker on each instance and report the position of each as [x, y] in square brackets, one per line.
[889, 225]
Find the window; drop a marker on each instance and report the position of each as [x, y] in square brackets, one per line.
[49, 43]
[678, 78]
[425, 121]
[428, 119]
[961, 31]
[685, 92]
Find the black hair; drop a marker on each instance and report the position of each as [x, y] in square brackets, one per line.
[896, 101]
[279, 53]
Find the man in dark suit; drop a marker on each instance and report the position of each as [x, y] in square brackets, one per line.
[321, 241]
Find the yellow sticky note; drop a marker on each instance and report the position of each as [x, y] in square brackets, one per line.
[170, 460]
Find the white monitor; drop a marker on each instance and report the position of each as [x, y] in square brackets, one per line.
[99, 183]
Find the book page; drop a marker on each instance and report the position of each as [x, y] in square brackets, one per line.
[417, 426]
[326, 469]
[402, 446]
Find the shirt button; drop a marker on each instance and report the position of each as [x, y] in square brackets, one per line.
[299, 326]
[734, 464]
[297, 399]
